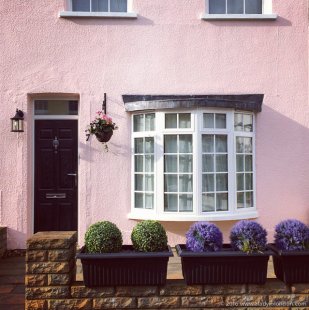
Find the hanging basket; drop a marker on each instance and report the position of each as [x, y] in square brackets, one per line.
[104, 136]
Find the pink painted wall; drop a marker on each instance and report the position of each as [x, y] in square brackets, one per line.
[168, 49]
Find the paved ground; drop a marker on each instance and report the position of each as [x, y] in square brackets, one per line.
[12, 273]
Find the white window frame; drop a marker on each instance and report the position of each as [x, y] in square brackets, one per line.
[68, 13]
[267, 13]
[196, 130]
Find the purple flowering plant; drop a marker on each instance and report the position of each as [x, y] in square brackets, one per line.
[292, 235]
[204, 237]
[248, 236]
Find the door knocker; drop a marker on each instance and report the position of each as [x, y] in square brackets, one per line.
[56, 145]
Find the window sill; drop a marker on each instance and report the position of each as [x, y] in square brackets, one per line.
[71, 14]
[192, 218]
[239, 17]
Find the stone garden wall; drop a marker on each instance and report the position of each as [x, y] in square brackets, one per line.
[3, 240]
[50, 284]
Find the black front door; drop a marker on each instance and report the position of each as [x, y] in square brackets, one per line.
[55, 205]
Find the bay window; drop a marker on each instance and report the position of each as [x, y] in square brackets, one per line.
[193, 165]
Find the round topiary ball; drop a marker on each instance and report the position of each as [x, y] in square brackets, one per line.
[149, 236]
[204, 237]
[248, 236]
[292, 235]
[103, 237]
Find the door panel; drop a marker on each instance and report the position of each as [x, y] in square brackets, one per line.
[55, 206]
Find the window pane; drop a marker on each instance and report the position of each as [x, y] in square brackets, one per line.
[139, 182]
[149, 184]
[221, 163]
[185, 183]
[240, 200]
[248, 123]
[170, 163]
[253, 6]
[56, 107]
[185, 144]
[150, 122]
[249, 200]
[208, 163]
[222, 202]
[170, 144]
[139, 200]
[171, 120]
[221, 144]
[217, 6]
[81, 5]
[208, 183]
[139, 163]
[99, 5]
[208, 120]
[239, 163]
[240, 181]
[220, 121]
[149, 145]
[138, 145]
[249, 182]
[221, 182]
[248, 162]
[171, 183]
[207, 144]
[149, 163]
[149, 201]
[185, 163]
[208, 202]
[184, 120]
[185, 202]
[238, 123]
[248, 145]
[235, 6]
[138, 122]
[170, 202]
[240, 145]
[118, 5]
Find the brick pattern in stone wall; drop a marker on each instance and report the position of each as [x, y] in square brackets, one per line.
[3, 240]
[49, 285]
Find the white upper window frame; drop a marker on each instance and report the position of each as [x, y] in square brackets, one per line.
[267, 13]
[68, 13]
[196, 130]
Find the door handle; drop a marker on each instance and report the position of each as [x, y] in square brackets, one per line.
[75, 177]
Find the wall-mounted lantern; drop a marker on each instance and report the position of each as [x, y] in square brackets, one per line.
[17, 122]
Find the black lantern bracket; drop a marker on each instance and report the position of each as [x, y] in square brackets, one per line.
[104, 104]
[17, 122]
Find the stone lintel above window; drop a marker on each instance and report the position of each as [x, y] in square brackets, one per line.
[248, 102]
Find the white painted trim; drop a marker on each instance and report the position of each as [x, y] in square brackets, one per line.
[176, 217]
[55, 117]
[239, 16]
[69, 14]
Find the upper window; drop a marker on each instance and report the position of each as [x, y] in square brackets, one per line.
[99, 5]
[191, 165]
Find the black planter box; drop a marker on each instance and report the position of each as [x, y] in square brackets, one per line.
[224, 267]
[291, 266]
[127, 267]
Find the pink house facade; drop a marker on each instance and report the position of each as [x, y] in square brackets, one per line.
[211, 101]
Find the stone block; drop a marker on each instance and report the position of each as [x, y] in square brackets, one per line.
[60, 279]
[36, 256]
[272, 286]
[50, 292]
[48, 267]
[300, 288]
[280, 300]
[70, 304]
[86, 292]
[211, 301]
[158, 302]
[225, 289]
[136, 291]
[36, 280]
[246, 301]
[61, 255]
[52, 240]
[114, 303]
[300, 300]
[180, 289]
[35, 304]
